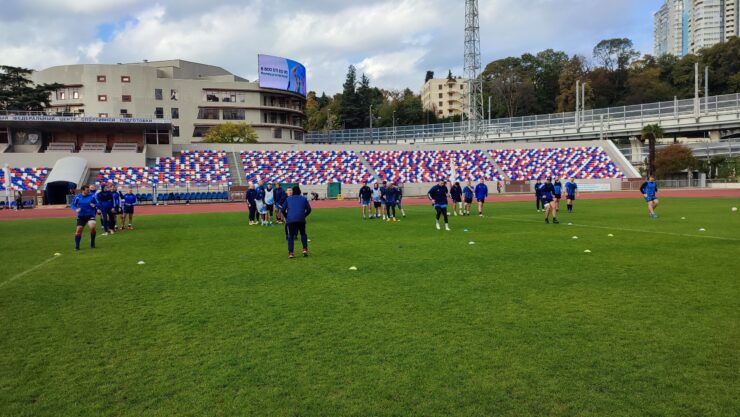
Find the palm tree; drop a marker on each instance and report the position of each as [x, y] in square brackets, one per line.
[651, 133]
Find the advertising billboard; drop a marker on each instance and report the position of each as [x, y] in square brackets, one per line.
[281, 74]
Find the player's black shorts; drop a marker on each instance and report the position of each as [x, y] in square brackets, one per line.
[546, 201]
[376, 204]
[456, 200]
[571, 197]
[469, 200]
[269, 207]
[128, 209]
[558, 196]
[83, 220]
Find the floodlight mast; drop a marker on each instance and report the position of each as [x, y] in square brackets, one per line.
[472, 68]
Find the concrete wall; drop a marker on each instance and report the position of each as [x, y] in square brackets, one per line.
[94, 159]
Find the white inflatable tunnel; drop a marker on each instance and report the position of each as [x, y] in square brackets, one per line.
[68, 174]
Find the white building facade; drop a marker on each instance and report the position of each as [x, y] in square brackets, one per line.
[687, 26]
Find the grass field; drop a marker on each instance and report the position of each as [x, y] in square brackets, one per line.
[218, 322]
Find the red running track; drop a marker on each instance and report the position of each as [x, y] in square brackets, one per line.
[57, 212]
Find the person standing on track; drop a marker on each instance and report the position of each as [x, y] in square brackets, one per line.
[468, 193]
[296, 210]
[438, 194]
[481, 192]
[571, 190]
[649, 190]
[538, 193]
[456, 195]
[365, 196]
[85, 206]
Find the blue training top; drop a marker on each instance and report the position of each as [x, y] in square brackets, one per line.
[468, 191]
[649, 188]
[438, 194]
[570, 188]
[86, 204]
[129, 200]
[481, 191]
[296, 209]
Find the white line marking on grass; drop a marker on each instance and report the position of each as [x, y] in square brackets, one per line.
[15, 277]
[626, 230]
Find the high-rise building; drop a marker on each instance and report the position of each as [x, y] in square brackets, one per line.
[687, 26]
[444, 96]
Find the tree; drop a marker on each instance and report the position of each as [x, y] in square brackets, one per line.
[350, 113]
[17, 92]
[674, 159]
[615, 54]
[651, 133]
[231, 133]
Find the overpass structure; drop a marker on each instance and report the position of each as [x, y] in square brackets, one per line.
[697, 116]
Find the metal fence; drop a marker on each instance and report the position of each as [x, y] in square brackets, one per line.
[595, 118]
[726, 147]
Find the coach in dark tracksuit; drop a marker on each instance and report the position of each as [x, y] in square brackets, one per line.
[296, 210]
[252, 204]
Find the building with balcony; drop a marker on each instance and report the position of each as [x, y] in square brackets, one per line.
[445, 96]
[193, 96]
[681, 27]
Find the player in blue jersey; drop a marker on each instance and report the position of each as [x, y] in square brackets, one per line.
[129, 201]
[468, 193]
[549, 202]
[85, 207]
[104, 203]
[365, 196]
[116, 210]
[571, 190]
[649, 190]
[481, 192]
[400, 197]
[251, 198]
[438, 194]
[557, 193]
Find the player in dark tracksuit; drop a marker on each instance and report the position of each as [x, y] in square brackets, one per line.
[538, 193]
[252, 205]
[391, 198]
[116, 210]
[438, 194]
[104, 202]
[456, 195]
[85, 207]
[399, 187]
[280, 197]
[548, 200]
[366, 197]
[295, 211]
[383, 189]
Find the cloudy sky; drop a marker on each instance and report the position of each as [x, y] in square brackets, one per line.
[393, 41]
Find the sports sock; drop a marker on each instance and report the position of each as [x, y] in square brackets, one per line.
[92, 238]
[78, 237]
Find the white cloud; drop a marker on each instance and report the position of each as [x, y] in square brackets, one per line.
[393, 41]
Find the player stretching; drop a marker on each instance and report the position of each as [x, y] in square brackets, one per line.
[85, 207]
[438, 194]
[649, 190]
[129, 201]
[481, 192]
[365, 197]
[548, 202]
[571, 190]
[391, 197]
[468, 193]
[456, 194]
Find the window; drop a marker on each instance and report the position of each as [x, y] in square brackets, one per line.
[175, 113]
[102, 97]
[102, 114]
[158, 94]
[440, 104]
[75, 94]
[440, 95]
[216, 96]
[126, 98]
[176, 131]
[125, 79]
[440, 86]
[234, 114]
[101, 78]
[174, 95]
[62, 95]
[159, 112]
[199, 131]
[462, 86]
[208, 114]
[125, 113]
[277, 133]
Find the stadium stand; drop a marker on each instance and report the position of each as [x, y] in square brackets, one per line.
[431, 166]
[93, 147]
[61, 147]
[580, 162]
[304, 167]
[24, 179]
[196, 168]
[125, 147]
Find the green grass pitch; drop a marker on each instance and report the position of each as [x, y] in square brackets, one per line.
[218, 322]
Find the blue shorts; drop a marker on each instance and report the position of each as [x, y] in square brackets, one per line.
[365, 202]
[440, 206]
[650, 198]
[481, 200]
[128, 209]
